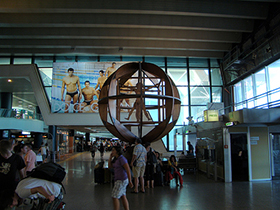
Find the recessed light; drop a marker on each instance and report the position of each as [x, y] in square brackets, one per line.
[9, 80]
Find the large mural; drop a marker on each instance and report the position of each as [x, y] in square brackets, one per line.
[76, 86]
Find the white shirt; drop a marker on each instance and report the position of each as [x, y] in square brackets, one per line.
[43, 151]
[24, 187]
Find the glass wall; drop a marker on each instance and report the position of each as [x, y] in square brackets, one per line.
[260, 90]
[198, 80]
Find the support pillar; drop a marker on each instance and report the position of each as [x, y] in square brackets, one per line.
[53, 145]
[38, 139]
[71, 141]
[87, 141]
[6, 100]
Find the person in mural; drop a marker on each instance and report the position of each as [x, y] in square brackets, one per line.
[88, 105]
[72, 83]
[100, 81]
[110, 70]
[124, 90]
[139, 104]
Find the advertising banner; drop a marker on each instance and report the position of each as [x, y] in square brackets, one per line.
[76, 85]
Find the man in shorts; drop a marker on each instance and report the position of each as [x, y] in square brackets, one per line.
[88, 105]
[100, 81]
[140, 156]
[110, 70]
[72, 83]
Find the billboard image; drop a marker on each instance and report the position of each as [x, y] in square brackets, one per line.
[76, 85]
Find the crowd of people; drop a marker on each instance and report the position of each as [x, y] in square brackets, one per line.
[145, 170]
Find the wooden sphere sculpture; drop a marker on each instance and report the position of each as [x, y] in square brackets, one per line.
[139, 100]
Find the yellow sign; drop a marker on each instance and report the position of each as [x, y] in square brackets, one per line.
[211, 115]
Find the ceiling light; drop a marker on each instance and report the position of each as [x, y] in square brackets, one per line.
[9, 80]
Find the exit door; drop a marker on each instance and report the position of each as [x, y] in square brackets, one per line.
[239, 157]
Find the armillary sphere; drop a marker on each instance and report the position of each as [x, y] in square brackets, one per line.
[139, 100]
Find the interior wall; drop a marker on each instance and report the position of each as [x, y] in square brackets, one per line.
[260, 160]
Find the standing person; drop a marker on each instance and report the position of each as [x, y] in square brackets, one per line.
[43, 151]
[29, 159]
[100, 81]
[140, 156]
[10, 164]
[110, 70]
[150, 166]
[101, 150]
[122, 177]
[71, 81]
[190, 151]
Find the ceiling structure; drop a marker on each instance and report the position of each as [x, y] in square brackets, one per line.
[177, 28]
[198, 28]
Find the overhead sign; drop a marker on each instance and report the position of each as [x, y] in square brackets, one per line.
[211, 115]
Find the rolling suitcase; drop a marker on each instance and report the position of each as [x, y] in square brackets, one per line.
[99, 175]
[107, 175]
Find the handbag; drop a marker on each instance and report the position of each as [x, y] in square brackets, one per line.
[135, 161]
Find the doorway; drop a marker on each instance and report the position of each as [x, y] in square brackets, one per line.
[275, 138]
[239, 157]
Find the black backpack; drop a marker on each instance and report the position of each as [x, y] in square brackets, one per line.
[49, 171]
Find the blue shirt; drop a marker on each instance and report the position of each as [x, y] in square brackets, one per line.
[119, 171]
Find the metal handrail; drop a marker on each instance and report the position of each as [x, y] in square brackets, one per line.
[12, 113]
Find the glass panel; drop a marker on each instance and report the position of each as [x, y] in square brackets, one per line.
[22, 60]
[260, 82]
[183, 91]
[159, 61]
[87, 59]
[4, 61]
[49, 93]
[46, 75]
[179, 76]
[237, 92]
[197, 113]
[198, 62]
[200, 95]
[273, 71]
[110, 58]
[217, 94]
[132, 58]
[214, 62]
[179, 142]
[184, 113]
[65, 59]
[44, 61]
[176, 62]
[248, 91]
[216, 78]
[199, 77]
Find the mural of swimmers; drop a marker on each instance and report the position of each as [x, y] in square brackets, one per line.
[76, 85]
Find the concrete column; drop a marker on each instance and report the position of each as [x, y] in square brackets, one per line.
[38, 139]
[53, 145]
[71, 141]
[87, 140]
[6, 100]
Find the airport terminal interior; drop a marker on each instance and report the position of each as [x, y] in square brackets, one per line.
[78, 74]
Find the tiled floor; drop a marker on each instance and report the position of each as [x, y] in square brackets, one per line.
[198, 192]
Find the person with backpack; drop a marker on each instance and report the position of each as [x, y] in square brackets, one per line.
[44, 182]
[150, 166]
[31, 188]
